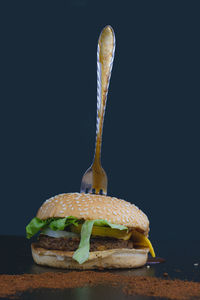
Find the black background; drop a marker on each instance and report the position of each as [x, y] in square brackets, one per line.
[48, 107]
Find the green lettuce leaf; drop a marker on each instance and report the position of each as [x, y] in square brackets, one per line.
[34, 226]
[82, 253]
[60, 224]
[101, 222]
[37, 224]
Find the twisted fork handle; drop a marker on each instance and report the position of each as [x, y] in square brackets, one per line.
[105, 57]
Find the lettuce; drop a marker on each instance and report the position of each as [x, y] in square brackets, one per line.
[82, 253]
[101, 222]
[34, 226]
[60, 224]
[37, 224]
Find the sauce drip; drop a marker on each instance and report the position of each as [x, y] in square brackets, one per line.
[155, 260]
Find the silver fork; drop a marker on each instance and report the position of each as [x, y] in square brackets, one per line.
[95, 179]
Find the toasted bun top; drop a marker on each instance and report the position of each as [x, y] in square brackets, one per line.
[92, 207]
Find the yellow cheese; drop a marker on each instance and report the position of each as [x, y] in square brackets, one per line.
[141, 240]
[105, 231]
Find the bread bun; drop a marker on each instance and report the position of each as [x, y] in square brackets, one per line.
[92, 207]
[109, 259]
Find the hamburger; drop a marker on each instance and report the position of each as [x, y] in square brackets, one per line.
[87, 231]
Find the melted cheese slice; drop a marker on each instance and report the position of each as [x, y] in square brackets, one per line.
[141, 240]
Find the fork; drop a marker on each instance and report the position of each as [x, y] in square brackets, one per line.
[95, 179]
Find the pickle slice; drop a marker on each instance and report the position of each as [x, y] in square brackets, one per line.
[105, 232]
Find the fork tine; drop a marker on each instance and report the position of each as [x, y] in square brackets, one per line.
[94, 183]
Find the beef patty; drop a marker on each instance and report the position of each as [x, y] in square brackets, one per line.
[71, 244]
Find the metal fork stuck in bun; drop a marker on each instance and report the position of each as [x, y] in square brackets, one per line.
[95, 179]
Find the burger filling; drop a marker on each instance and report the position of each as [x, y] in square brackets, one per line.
[81, 237]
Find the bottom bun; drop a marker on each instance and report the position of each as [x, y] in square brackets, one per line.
[108, 259]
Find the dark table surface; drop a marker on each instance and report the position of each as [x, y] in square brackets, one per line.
[182, 259]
